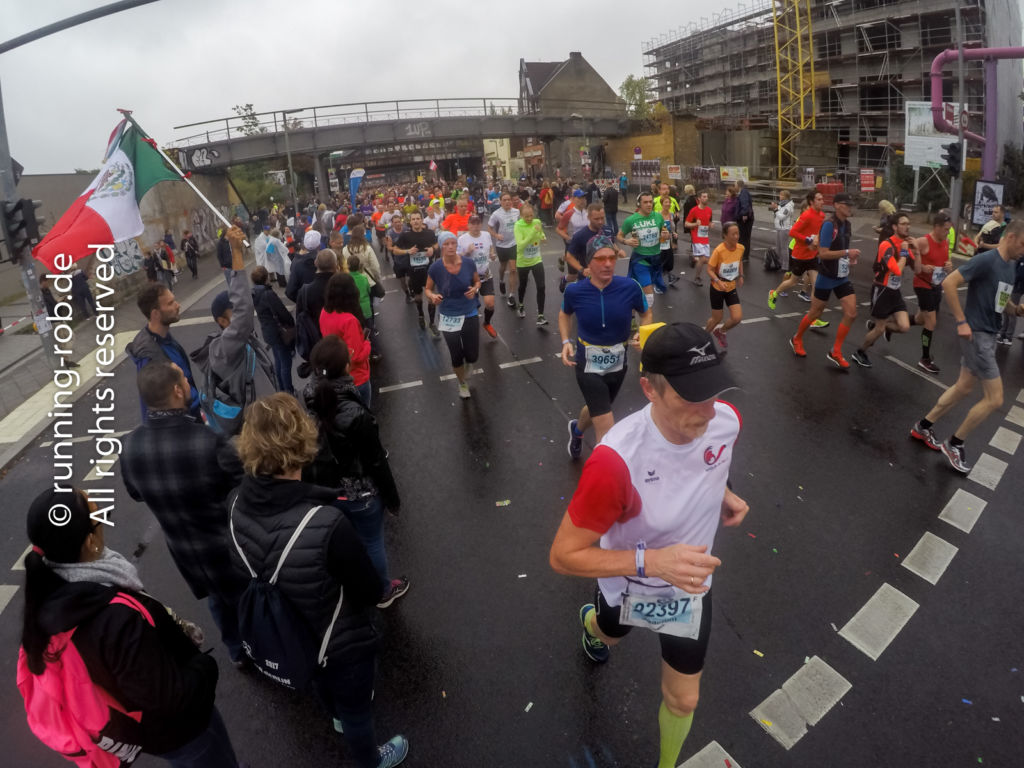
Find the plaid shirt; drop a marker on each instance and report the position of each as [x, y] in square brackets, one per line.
[183, 471]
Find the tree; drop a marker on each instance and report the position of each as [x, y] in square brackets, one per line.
[250, 120]
[634, 92]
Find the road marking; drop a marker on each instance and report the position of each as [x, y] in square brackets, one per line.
[48, 443]
[105, 466]
[780, 718]
[913, 369]
[930, 557]
[1006, 440]
[963, 510]
[19, 564]
[450, 376]
[754, 319]
[878, 622]
[6, 593]
[1016, 415]
[1020, 396]
[406, 385]
[513, 364]
[712, 756]
[792, 314]
[987, 471]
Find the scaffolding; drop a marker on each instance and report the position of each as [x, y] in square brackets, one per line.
[794, 66]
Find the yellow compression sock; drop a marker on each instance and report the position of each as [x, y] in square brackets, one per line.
[674, 730]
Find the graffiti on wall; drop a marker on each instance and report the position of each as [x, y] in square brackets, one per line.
[204, 226]
[127, 257]
[203, 157]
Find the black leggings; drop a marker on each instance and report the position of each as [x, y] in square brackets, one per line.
[537, 270]
[464, 344]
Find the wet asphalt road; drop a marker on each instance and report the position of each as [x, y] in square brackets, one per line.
[481, 661]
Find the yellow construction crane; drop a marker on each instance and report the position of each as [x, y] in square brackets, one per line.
[794, 64]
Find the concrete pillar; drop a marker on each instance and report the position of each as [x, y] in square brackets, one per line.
[321, 178]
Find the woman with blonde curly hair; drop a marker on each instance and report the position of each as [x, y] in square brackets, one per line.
[327, 578]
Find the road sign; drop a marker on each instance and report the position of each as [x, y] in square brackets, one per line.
[675, 172]
[638, 153]
[867, 180]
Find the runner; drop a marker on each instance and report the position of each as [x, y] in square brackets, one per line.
[644, 516]
[400, 261]
[644, 231]
[453, 284]
[502, 225]
[929, 272]
[888, 310]
[420, 245]
[804, 257]
[576, 254]
[725, 268]
[529, 235]
[667, 256]
[698, 223]
[603, 305]
[458, 222]
[989, 276]
[835, 256]
[433, 218]
[574, 218]
[479, 246]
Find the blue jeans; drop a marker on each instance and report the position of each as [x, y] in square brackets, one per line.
[365, 391]
[346, 690]
[283, 368]
[367, 517]
[225, 615]
[612, 220]
[211, 749]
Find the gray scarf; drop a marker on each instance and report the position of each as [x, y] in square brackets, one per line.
[111, 569]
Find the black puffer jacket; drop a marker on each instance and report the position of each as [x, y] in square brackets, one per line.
[328, 557]
[350, 432]
[272, 315]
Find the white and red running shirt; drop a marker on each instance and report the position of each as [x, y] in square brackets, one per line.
[636, 486]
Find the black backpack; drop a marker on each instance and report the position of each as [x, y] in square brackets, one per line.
[771, 261]
[307, 330]
[274, 636]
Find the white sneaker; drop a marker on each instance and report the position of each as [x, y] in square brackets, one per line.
[464, 392]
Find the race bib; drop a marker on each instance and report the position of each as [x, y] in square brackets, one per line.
[938, 276]
[450, 323]
[603, 360]
[649, 236]
[843, 268]
[676, 616]
[531, 252]
[894, 282]
[419, 259]
[703, 231]
[729, 270]
[1002, 296]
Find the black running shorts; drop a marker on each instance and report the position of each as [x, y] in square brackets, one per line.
[841, 291]
[799, 266]
[928, 299]
[721, 298]
[886, 302]
[599, 390]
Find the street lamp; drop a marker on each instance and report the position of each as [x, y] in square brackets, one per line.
[288, 151]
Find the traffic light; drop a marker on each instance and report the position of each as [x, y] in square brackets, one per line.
[21, 225]
[953, 158]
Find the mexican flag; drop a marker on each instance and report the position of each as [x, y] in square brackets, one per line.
[108, 211]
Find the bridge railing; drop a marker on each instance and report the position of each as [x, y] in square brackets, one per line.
[334, 114]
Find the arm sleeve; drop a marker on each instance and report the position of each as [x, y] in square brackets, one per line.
[639, 299]
[243, 317]
[348, 562]
[284, 317]
[230, 466]
[605, 494]
[292, 290]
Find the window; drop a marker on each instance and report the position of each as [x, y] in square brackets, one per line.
[828, 45]
[739, 93]
[766, 89]
[936, 31]
[881, 97]
[877, 37]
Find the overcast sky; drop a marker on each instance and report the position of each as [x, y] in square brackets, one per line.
[185, 61]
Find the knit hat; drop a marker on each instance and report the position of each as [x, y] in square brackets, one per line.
[311, 240]
[221, 304]
[443, 237]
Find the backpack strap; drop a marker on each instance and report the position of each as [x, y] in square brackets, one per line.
[231, 527]
[122, 598]
[291, 542]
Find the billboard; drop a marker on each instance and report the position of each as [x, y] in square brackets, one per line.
[923, 142]
[730, 173]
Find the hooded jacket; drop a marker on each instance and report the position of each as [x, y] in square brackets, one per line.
[328, 557]
[153, 669]
[148, 347]
[272, 314]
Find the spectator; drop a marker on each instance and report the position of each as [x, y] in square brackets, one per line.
[303, 268]
[342, 316]
[277, 326]
[191, 250]
[745, 212]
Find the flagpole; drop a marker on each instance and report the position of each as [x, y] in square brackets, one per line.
[128, 116]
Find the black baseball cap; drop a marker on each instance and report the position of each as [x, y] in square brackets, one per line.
[842, 197]
[686, 355]
[941, 217]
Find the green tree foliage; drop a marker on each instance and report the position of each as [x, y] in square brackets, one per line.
[254, 185]
[250, 121]
[634, 92]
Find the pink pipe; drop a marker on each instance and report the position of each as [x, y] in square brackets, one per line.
[991, 102]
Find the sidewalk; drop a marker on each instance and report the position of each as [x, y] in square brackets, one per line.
[26, 379]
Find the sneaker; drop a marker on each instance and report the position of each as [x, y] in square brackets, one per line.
[819, 324]
[397, 588]
[501, 287]
[955, 455]
[698, 282]
[594, 649]
[839, 360]
[561, 264]
[423, 323]
[433, 330]
[409, 299]
[464, 392]
[927, 364]
[1004, 340]
[541, 320]
[772, 296]
[719, 335]
[561, 284]
[797, 346]
[521, 311]
[803, 296]
[1020, 335]
[783, 294]
[490, 331]
[658, 290]
[869, 324]
[575, 446]
[888, 334]
[512, 301]
[860, 357]
[393, 752]
[926, 436]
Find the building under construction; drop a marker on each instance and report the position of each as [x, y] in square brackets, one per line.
[842, 67]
